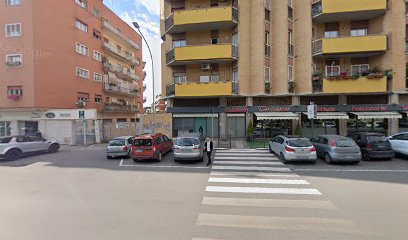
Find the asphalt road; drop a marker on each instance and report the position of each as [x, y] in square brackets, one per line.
[79, 194]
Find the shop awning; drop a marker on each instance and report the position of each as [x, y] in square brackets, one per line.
[377, 115]
[276, 116]
[195, 115]
[331, 115]
[235, 114]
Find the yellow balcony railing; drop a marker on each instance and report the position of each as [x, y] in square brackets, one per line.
[350, 45]
[201, 89]
[334, 10]
[201, 19]
[360, 85]
[206, 53]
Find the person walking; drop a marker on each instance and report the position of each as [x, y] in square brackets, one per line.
[208, 148]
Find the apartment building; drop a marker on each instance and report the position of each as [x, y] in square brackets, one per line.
[54, 77]
[227, 63]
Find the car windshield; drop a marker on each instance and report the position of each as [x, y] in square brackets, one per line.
[142, 143]
[376, 138]
[5, 140]
[186, 142]
[117, 142]
[299, 143]
[345, 143]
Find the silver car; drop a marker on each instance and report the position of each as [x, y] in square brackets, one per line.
[293, 148]
[14, 147]
[188, 147]
[119, 147]
[335, 148]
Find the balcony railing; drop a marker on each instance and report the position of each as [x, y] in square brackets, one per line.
[114, 30]
[116, 107]
[120, 53]
[317, 46]
[111, 88]
[235, 87]
[316, 8]
[171, 90]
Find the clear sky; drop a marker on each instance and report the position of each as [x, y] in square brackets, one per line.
[147, 14]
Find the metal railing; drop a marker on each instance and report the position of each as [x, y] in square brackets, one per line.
[116, 107]
[235, 51]
[120, 53]
[171, 56]
[121, 90]
[317, 8]
[317, 46]
[235, 14]
[169, 22]
[235, 87]
[171, 90]
[317, 86]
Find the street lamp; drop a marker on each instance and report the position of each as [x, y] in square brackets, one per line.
[151, 58]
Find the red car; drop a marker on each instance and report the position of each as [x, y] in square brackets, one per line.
[150, 146]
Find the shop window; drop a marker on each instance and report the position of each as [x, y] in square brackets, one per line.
[5, 129]
[321, 127]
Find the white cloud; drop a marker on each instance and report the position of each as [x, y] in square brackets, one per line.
[153, 6]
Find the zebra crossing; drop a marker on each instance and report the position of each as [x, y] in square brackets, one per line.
[251, 191]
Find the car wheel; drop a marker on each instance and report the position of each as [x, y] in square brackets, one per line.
[108, 157]
[283, 158]
[365, 157]
[270, 149]
[53, 148]
[328, 158]
[13, 154]
[160, 158]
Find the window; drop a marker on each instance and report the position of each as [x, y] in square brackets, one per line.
[83, 73]
[214, 37]
[359, 69]
[98, 99]
[214, 41]
[97, 34]
[359, 32]
[179, 43]
[267, 75]
[96, 12]
[290, 73]
[119, 30]
[267, 15]
[82, 3]
[215, 77]
[179, 78]
[13, 30]
[332, 71]
[15, 91]
[5, 130]
[13, 2]
[97, 77]
[331, 34]
[83, 97]
[267, 45]
[290, 45]
[81, 25]
[14, 60]
[82, 49]
[97, 56]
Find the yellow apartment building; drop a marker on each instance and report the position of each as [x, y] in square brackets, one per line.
[226, 63]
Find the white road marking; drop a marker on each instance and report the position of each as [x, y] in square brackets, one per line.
[258, 181]
[253, 174]
[157, 166]
[351, 170]
[248, 162]
[247, 158]
[276, 169]
[278, 223]
[249, 154]
[269, 203]
[294, 191]
[243, 151]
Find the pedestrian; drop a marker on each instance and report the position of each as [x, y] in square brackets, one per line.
[208, 147]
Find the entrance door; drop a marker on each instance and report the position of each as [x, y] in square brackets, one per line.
[200, 126]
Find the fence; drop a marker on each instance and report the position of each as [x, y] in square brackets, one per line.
[111, 130]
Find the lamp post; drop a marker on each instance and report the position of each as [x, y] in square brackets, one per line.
[151, 58]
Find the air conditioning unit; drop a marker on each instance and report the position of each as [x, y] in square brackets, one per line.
[205, 66]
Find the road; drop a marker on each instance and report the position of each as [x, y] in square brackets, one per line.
[79, 194]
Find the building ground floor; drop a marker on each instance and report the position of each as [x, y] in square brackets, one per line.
[271, 116]
[68, 126]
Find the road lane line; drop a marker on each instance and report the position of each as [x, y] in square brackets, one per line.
[247, 158]
[258, 181]
[268, 203]
[276, 169]
[248, 162]
[278, 223]
[292, 191]
[253, 174]
[121, 164]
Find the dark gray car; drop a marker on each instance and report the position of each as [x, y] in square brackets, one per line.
[373, 145]
[335, 148]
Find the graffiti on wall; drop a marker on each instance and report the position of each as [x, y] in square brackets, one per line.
[162, 123]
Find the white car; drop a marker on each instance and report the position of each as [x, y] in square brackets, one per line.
[399, 143]
[293, 148]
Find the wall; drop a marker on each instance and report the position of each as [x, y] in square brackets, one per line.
[163, 123]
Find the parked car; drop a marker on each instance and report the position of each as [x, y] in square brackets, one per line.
[373, 145]
[335, 148]
[150, 146]
[188, 147]
[119, 147]
[293, 148]
[14, 147]
[399, 143]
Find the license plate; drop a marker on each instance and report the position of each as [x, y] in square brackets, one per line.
[139, 151]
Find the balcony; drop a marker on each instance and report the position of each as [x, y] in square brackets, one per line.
[218, 53]
[200, 89]
[117, 107]
[121, 72]
[354, 10]
[113, 88]
[115, 31]
[360, 85]
[201, 19]
[118, 53]
[361, 46]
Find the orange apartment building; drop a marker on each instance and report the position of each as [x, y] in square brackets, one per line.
[68, 71]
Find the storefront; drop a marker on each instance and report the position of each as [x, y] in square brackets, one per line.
[271, 124]
[326, 123]
[66, 126]
[205, 123]
[371, 121]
